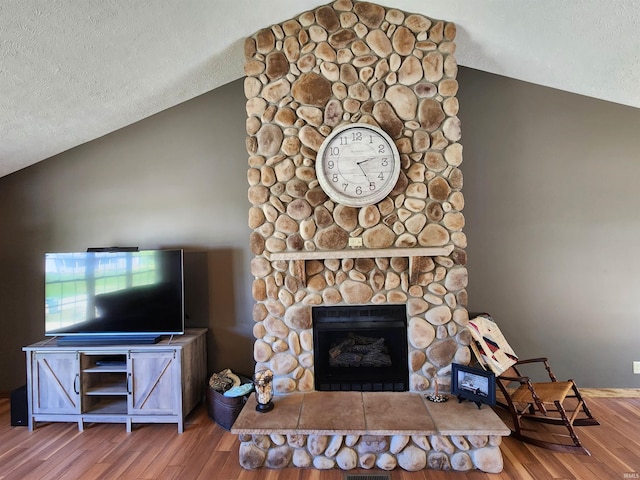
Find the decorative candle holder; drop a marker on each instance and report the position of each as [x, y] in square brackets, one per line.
[437, 397]
[263, 383]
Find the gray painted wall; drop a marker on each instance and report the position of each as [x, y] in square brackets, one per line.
[553, 223]
[177, 179]
[551, 218]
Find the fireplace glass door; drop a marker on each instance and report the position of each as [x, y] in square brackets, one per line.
[360, 348]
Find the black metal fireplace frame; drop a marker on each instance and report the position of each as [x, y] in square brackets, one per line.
[371, 320]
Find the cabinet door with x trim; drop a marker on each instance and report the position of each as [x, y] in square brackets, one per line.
[56, 383]
[153, 382]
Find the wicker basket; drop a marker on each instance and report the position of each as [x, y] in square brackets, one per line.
[224, 410]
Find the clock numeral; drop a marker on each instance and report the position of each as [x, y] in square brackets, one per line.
[334, 150]
[357, 136]
[372, 186]
[370, 138]
[358, 190]
[343, 140]
[381, 176]
[330, 164]
[344, 187]
[381, 149]
[384, 162]
[334, 177]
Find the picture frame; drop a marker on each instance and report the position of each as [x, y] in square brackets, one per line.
[473, 384]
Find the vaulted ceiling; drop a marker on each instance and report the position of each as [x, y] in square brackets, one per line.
[72, 71]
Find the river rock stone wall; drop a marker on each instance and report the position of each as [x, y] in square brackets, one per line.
[342, 63]
[346, 452]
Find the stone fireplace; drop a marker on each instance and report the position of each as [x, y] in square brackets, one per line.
[355, 62]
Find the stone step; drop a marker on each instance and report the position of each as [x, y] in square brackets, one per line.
[365, 429]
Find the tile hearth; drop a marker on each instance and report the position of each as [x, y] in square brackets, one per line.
[370, 429]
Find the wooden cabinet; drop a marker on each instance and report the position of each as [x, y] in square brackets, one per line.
[129, 384]
[104, 382]
[56, 383]
[152, 380]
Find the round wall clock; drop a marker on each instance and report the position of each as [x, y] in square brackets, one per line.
[358, 164]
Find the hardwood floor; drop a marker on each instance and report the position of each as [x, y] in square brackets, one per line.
[206, 451]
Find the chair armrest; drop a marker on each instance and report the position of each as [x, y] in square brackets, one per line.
[514, 379]
[533, 360]
[543, 360]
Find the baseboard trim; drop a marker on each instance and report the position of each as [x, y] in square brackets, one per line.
[611, 392]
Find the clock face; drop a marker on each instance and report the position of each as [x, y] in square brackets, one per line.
[358, 164]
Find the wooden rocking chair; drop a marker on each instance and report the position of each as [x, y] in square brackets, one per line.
[551, 402]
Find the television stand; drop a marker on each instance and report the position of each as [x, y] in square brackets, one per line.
[129, 383]
[96, 340]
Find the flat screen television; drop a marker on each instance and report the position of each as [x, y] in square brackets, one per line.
[118, 296]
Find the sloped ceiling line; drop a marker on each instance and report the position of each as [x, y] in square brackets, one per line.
[71, 72]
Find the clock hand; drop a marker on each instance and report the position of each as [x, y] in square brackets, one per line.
[365, 173]
[360, 165]
[365, 160]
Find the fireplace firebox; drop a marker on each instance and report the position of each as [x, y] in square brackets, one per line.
[361, 348]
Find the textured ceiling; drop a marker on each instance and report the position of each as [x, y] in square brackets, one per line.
[72, 71]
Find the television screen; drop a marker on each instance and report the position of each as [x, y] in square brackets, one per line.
[114, 293]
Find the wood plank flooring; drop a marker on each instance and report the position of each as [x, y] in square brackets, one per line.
[57, 451]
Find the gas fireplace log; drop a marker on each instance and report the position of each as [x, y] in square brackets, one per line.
[351, 353]
[341, 347]
[362, 340]
[346, 359]
[355, 360]
[376, 359]
[378, 346]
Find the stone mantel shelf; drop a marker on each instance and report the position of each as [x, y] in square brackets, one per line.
[413, 253]
[365, 253]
